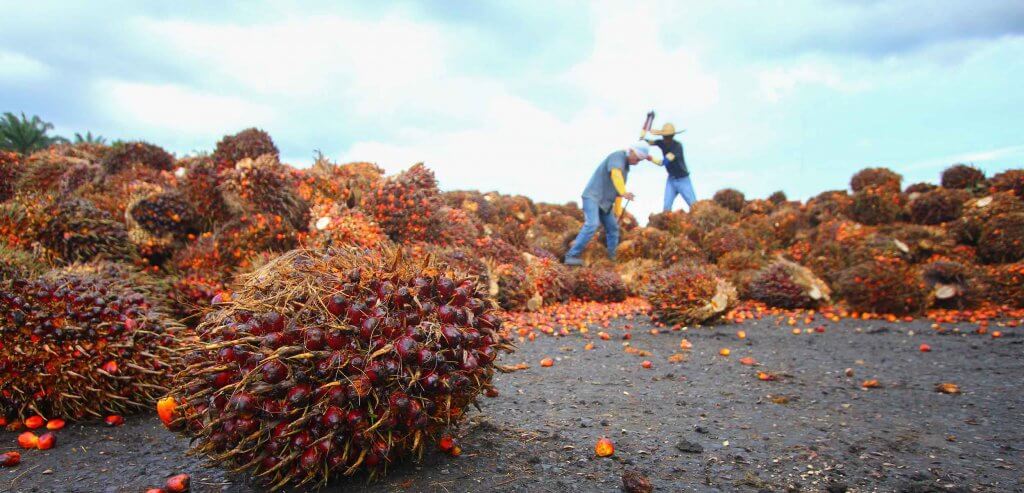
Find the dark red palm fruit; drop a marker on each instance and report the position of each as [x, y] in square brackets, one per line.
[356, 313]
[46, 441]
[373, 372]
[336, 339]
[430, 382]
[386, 290]
[469, 362]
[333, 417]
[426, 357]
[314, 339]
[446, 313]
[471, 338]
[10, 459]
[337, 305]
[246, 426]
[356, 419]
[368, 328]
[243, 403]
[335, 396]
[451, 335]
[487, 354]
[280, 432]
[269, 462]
[274, 371]
[445, 288]
[219, 401]
[272, 407]
[275, 340]
[406, 348]
[399, 403]
[223, 378]
[391, 328]
[302, 439]
[297, 396]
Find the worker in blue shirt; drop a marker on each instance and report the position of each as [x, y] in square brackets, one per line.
[678, 182]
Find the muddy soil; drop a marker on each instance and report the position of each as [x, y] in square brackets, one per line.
[706, 424]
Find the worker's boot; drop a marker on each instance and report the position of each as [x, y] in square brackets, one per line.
[574, 261]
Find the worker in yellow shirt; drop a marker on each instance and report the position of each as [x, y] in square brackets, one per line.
[602, 199]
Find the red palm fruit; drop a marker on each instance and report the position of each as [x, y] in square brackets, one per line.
[178, 483]
[47, 441]
[298, 395]
[34, 422]
[10, 459]
[55, 424]
[274, 371]
[28, 440]
[114, 420]
[314, 339]
[333, 417]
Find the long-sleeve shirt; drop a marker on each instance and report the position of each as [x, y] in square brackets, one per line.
[676, 166]
[602, 185]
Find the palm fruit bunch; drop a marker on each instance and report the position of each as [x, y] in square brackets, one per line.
[876, 205]
[514, 216]
[706, 216]
[1002, 239]
[347, 184]
[23, 217]
[976, 212]
[328, 363]
[10, 168]
[41, 171]
[510, 286]
[1011, 180]
[789, 285]
[741, 267]
[759, 229]
[598, 284]
[163, 214]
[498, 250]
[826, 206]
[834, 246]
[918, 188]
[786, 223]
[331, 224]
[757, 207]
[1006, 284]
[113, 192]
[636, 273]
[78, 175]
[250, 143]
[82, 344]
[936, 206]
[675, 222]
[730, 198]
[454, 227]
[263, 185]
[951, 285]
[552, 281]
[883, 178]
[964, 177]
[725, 239]
[404, 204]
[658, 245]
[549, 231]
[778, 198]
[913, 242]
[687, 294]
[124, 155]
[78, 231]
[198, 179]
[240, 239]
[473, 202]
[882, 285]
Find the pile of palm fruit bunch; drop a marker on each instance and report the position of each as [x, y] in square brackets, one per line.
[333, 362]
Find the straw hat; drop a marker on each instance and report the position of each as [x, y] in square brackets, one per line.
[667, 129]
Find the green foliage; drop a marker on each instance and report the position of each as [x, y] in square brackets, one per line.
[26, 136]
[89, 138]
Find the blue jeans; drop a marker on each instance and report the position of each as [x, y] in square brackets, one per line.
[680, 186]
[593, 217]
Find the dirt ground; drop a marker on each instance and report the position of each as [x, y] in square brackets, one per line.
[706, 424]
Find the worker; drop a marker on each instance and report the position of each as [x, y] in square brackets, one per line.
[678, 182]
[602, 199]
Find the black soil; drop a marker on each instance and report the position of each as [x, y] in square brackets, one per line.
[705, 424]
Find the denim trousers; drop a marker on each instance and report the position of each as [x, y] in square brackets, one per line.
[678, 186]
[593, 217]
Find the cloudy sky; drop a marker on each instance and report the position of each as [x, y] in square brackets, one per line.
[527, 97]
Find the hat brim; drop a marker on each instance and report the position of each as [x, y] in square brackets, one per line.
[662, 134]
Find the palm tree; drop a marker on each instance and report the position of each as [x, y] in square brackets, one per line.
[89, 138]
[26, 136]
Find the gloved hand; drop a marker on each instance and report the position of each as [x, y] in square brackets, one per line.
[670, 156]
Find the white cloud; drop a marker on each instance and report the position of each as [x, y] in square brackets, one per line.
[179, 109]
[780, 82]
[18, 67]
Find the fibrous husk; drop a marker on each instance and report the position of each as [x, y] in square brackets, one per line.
[598, 284]
[688, 294]
[636, 273]
[82, 343]
[548, 231]
[329, 363]
[740, 267]
[976, 212]
[951, 285]
[552, 281]
[250, 143]
[1005, 284]
[936, 206]
[509, 284]
[658, 245]
[1002, 239]
[786, 284]
[124, 155]
[881, 178]
[786, 222]
[882, 285]
[263, 186]
[730, 198]
[964, 177]
[16, 263]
